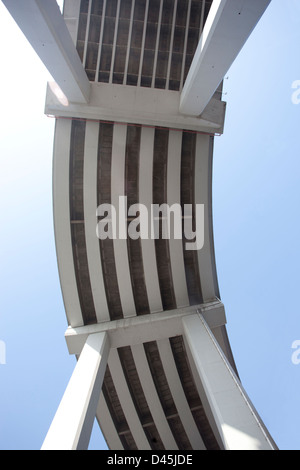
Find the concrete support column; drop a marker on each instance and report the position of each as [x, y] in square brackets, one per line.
[237, 422]
[227, 28]
[72, 425]
[45, 29]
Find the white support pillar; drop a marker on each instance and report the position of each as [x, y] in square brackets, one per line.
[227, 28]
[71, 17]
[238, 423]
[72, 425]
[44, 27]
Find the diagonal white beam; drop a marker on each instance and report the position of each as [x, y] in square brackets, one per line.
[71, 16]
[72, 425]
[227, 28]
[236, 419]
[44, 27]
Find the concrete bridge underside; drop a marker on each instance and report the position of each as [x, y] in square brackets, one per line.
[137, 106]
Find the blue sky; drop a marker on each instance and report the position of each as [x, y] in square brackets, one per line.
[256, 195]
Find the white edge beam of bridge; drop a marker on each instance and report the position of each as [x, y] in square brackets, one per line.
[227, 28]
[62, 226]
[44, 27]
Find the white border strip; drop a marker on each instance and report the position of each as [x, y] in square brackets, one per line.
[90, 219]
[61, 202]
[120, 245]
